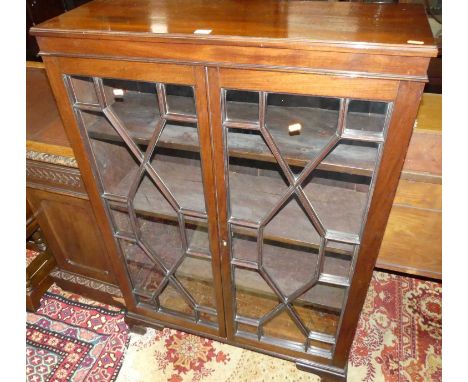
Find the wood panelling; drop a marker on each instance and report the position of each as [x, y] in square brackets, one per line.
[69, 225]
[308, 84]
[138, 71]
[245, 56]
[413, 238]
[421, 228]
[425, 153]
[430, 113]
[419, 195]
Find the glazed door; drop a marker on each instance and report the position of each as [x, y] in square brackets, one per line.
[297, 161]
[144, 126]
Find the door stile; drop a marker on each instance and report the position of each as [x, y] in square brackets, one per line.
[220, 170]
[82, 156]
[207, 163]
[398, 137]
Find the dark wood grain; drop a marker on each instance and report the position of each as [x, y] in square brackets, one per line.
[74, 240]
[349, 25]
[399, 134]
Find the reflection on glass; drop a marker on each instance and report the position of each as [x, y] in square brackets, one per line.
[366, 116]
[145, 275]
[196, 276]
[242, 106]
[282, 326]
[83, 90]
[254, 298]
[197, 235]
[180, 100]
[171, 299]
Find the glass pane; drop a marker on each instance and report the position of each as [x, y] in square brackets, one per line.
[144, 273]
[254, 298]
[338, 259]
[301, 126]
[319, 308]
[109, 149]
[244, 243]
[172, 299]
[366, 116]
[292, 225]
[358, 158]
[180, 171]
[321, 346]
[151, 200]
[196, 276]
[209, 318]
[241, 106]
[197, 235]
[120, 220]
[339, 198]
[162, 238]
[247, 329]
[136, 105]
[83, 89]
[180, 99]
[288, 265]
[255, 186]
[282, 326]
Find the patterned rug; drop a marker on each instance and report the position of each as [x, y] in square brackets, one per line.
[73, 339]
[70, 338]
[399, 339]
[30, 256]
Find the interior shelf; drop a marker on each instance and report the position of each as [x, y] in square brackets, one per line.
[140, 114]
[343, 207]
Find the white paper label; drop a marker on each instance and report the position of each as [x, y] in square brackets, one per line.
[118, 92]
[202, 31]
[415, 42]
[295, 127]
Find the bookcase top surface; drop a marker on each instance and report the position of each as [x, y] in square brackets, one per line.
[301, 24]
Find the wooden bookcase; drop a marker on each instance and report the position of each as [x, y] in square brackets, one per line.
[242, 169]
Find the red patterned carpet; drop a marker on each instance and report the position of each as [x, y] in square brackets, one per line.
[72, 339]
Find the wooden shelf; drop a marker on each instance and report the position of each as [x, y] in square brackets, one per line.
[140, 114]
[256, 195]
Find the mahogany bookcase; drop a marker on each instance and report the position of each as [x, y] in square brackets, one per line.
[242, 160]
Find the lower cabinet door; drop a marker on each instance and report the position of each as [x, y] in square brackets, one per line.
[299, 167]
[144, 138]
[72, 234]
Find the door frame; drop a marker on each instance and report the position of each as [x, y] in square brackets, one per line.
[405, 97]
[182, 74]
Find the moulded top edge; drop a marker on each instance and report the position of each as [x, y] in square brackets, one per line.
[372, 28]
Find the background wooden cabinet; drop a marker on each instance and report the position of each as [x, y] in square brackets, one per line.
[74, 237]
[59, 201]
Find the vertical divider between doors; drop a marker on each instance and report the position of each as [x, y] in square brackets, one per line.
[206, 152]
[219, 160]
